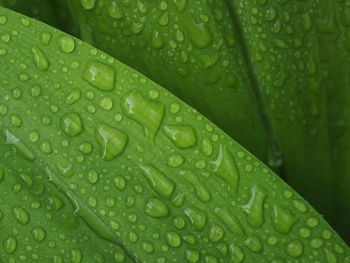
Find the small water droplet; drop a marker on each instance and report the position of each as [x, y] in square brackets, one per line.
[114, 10]
[216, 233]
[199, 33]
[229, 220]
[254, 244]
[111, 140]
[46, 37]
[254, 207]
[236, 254]
[10, 245]
[282, 219]
[174, 160]
[173, 239]
[295, 248]
[88, 4]
[119, 182]
[38, 234]
[201, 191]
[192, 255]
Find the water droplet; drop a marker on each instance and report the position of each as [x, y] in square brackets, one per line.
[312, 222]
[10, 245]
[40, 60]
[156, 208]
[21, 149]
[114, 10]
[179, 222]
[180, 5]
[66, 43]
[100, 75]
[71, 124]
[35, 91]
[282, 219]
[330, 257]
[254, 244]
[92, 177]
[164, 19]
[38, 234]
[207, 147]
[46, 37]
[173, 239]
[45, 147]
[119, 182]
[158, 181]
[111, 140]
[20, 215]
[295, 248]
[157, 40]
[254, 207]
[76, 255]
[197, 217]
[236, 254]
[27, 179]
[85, 148]
[183, 136]
[3, 109]
[225, 168]
[106, 103]
[316, 243]
[216, 233]
[192, 255]
[304, 232]
[199, 33]
[149, 114]
[88, 4]
[178, 199]
[307, 22]
[16, 120]
[229, 220]
[201, 192]
[3, 20]
[174, 160]
[2, 173]
[147, 247]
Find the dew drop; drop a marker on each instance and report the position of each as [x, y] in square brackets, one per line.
[38, 234]
[295, 248]
[236, 254]
[199, 33]
[229, 220]
[111, 140]
[156, 208]
[183, 136]
[216, 233]
[282, 219]
[100, 75]
[66, 43]
[254, 244]
[197, 217]
[20, 215]
[114, 10]
[85, 148]
[254, 207]
[149, 114]
[174, 160]
[173, 239]
[88, 4]
[201, 192]
[71, 124]
[10, 245]
[225, 168]
[40, 60]
[158, 181]
[192, 255]
[207, 147]
[119, 182]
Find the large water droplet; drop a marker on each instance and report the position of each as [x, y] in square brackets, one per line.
[183, 136]
[229, 220]
[197, 217]
[158, 181]
[20, 148]
[10, 245]
[200, 190]
[225, 168]
[254, 244]
[282, 219]
[236, 254]
[71, 124]
[156, 208]
[295, 248]
[149, 114]
[40, 60]
[173, 239]
[66, 43]
[100, 75]
[20, 215]
[38, 234]
[111, 140]
[198, 32]
[216, 233]
[254, 207]
[88, 4]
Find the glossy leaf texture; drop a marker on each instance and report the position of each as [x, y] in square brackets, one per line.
[141, 168]
[189, 47]
[300, 57]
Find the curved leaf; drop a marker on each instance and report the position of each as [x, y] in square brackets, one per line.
[141, 168]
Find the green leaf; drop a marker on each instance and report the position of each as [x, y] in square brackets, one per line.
[282, 58]
[189, 47]
[207, 200]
